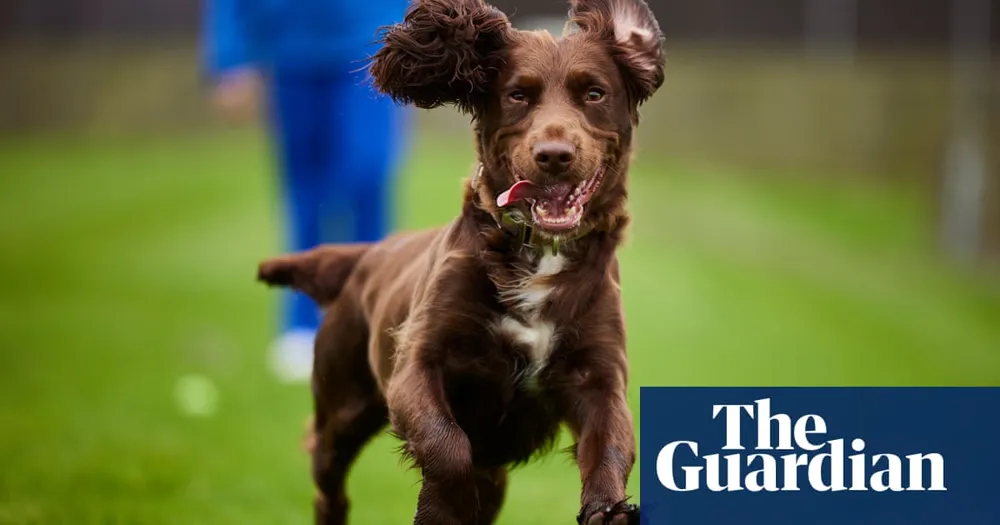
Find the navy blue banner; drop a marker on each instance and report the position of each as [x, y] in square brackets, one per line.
[820, 456]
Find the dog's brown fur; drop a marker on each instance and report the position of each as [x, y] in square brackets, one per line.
[440, 331]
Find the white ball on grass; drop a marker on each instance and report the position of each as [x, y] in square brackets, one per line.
[196, 395]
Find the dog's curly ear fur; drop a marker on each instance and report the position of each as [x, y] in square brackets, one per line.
[632, 34]
[443, 52]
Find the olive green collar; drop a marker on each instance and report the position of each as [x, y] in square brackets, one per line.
[528, 235]
[513, 221]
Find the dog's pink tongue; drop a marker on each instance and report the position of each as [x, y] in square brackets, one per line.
[521, 190]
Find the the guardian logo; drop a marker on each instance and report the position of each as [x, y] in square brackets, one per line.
[791, 455]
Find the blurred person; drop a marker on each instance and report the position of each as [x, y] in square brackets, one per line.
[338, 141]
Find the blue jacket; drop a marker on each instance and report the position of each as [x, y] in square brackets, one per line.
[294, 34]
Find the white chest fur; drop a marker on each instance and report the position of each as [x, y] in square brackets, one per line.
[526, 297]
[537, 336]
[528, 294]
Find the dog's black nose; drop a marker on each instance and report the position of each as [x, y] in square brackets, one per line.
[554, 157]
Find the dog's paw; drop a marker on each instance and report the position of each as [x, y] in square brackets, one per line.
[620, 513]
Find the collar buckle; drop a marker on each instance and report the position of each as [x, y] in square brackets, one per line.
[528, 235]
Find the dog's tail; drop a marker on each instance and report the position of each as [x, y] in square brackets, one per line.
[320, 273]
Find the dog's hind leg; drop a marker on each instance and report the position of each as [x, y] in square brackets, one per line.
[491, 485]
[338, 443]
[349, 408]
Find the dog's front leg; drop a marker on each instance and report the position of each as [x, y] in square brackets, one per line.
[439, 447]
[605, 449]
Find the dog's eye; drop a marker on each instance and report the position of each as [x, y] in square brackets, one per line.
[595, 94]
[517, 96]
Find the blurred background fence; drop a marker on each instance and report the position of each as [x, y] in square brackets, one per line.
[817, 87]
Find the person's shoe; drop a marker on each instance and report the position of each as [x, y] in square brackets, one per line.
[292, 355]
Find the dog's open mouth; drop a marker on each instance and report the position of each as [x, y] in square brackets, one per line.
[555, 207]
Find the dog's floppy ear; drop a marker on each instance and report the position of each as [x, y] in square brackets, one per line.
[443, 52]
[633, 35]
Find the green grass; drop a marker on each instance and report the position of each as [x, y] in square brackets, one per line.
[127, 265]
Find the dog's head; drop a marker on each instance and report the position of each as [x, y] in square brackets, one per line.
[554, 116]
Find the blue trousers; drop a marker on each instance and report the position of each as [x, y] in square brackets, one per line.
[338, 145]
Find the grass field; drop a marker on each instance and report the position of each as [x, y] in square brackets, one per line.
[127, 265]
